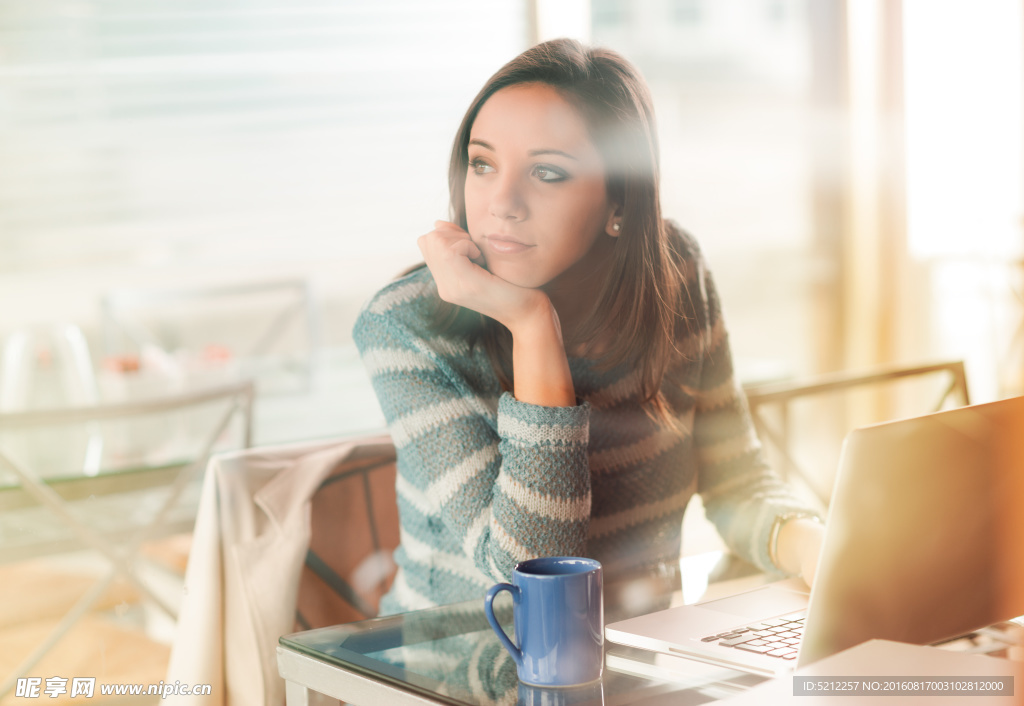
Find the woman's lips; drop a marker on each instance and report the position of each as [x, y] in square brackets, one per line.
[505, 246]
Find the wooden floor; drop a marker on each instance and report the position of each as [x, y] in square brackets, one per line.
[113, 642]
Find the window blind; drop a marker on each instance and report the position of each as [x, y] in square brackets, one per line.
[232, 132]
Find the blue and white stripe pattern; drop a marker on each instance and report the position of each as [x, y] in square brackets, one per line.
[486, 481]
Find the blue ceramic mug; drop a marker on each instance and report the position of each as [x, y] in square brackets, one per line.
[558, 620]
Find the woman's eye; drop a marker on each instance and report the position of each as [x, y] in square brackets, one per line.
[480, 167]
[548, 173]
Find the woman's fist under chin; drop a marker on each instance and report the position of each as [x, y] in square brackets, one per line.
[456, 262]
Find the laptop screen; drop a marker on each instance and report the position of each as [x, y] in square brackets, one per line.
[918, 547]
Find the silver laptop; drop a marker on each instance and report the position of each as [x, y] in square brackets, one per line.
[914, 545]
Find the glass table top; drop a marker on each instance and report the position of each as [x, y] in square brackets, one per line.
[450, 653]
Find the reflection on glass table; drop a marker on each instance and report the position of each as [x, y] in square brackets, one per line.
[450, 654]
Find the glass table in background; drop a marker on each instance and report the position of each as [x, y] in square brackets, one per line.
[96, 479]
[119, 457]
[450, 655]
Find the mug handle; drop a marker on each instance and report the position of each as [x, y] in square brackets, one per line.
[517, 654]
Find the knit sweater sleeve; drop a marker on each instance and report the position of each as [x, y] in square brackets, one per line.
[484, 480]
[742, 495]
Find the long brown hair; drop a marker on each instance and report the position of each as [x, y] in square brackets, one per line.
[638, 307]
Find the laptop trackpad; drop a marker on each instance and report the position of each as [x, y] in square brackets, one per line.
[763, 602]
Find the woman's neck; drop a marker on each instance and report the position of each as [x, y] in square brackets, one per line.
[575, 293]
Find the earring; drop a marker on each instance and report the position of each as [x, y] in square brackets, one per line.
[616, 227]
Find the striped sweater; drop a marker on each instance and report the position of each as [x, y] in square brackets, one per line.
[485, 481]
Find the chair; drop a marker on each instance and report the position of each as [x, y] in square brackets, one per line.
[117, 508]
[269, 328]
[288, 538]
[778, 398]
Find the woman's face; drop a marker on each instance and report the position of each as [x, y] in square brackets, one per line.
[536, 202]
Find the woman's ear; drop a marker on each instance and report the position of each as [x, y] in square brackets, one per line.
[614, 224]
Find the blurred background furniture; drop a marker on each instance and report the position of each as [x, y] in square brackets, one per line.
[266, 330]
[113, 432]
[174, 339]
[143, 485]
[827, 407]
[288, 537]
[67, 350]
[51, 368]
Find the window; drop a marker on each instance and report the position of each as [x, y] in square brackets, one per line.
[733, 99]
[208, 141]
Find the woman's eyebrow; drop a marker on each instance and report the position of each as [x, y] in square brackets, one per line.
[533, 153]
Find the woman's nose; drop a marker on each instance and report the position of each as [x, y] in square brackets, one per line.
[507, 200]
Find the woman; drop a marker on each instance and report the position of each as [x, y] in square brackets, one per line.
[557, 379]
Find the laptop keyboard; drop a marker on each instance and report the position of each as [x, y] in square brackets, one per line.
[778, 637]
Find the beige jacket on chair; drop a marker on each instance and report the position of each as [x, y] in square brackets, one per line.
[260, 512]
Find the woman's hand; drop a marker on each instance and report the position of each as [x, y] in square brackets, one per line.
[540, 367]
[456, 264]
[799, 546]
